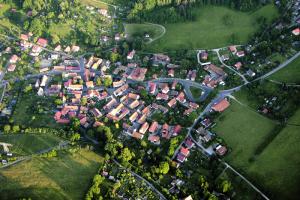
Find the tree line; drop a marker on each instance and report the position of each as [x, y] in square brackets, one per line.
[171, 11]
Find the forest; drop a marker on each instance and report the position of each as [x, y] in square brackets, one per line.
[171, 11]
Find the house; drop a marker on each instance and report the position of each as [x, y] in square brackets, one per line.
[172, 102]
[40, 92]
[42, 42]
[165, 88]
[181, 97]
[165, 130]
[118, 83]
[225, 57]
[296, 31]
[221, 105]
[204, 55]
[134, 104]
[160, 96]
[155, 139]
[189, 143]
[138, 74]
[238, 65]
[96, 112]
[181, 158]
[153, 127]
[176, 130]
[160, 59]
[14, 59]
[250, 73]
[133, 96]
[221, 150]
[11, 67]
[144, 128]
[240, 54]
[133, 117]
[57, 48]
[206, 122]
[188, 198]
[233, 49]
[137, 135]
[152, 88]
[174, 84]
[75, 48]
[184, 151]
[171, 72]
[89, 84]
[44, 81]
[24, 37]
[131, 55]
[67, 49]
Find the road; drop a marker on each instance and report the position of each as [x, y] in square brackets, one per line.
[246, 180]
[230, 67]
[187, 84]
[281, 66]
[141, 178]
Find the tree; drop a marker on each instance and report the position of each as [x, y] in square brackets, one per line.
[28, 88]
[75, 137]
[75, 123]
[16, 129]
[107, 81]
[126, 155]
[7, 128]
[83, 101]
[58, 102]
[114, 57]
[164, 167]
[98, 81]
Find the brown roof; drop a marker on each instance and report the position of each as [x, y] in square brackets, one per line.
[221, 106]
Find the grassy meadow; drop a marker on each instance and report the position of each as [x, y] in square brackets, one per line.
[215, 26]
[65, 177]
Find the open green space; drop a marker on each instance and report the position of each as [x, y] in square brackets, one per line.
[61, 29]
[196, 92]
[35, 111]
[25, 144]
[243, 131]
[289, 74]
[153, 30]
[277, 168]
[64, 177]
[215, 26]
[95, 3]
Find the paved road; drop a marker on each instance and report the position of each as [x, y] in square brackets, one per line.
[281, 66]
[246, 180]
[230, 67]
[141, 178]
[187, 84]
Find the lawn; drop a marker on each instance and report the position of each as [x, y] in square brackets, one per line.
[24, 144]
[32, 110]
[65, 177]
[196, 92]
[243, 130]
[215, 26]
[289, 74]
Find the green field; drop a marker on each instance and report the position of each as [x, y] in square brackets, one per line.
[65, 177]
[61, 30]
[277, 168]
[24, 144]
[196, 92]
[243, 131]
[214, 27]
[95, 3]
[140, 29]
[289, 74]
[27, 111]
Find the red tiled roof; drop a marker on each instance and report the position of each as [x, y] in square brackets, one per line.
[221, 106]
[153, 127]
